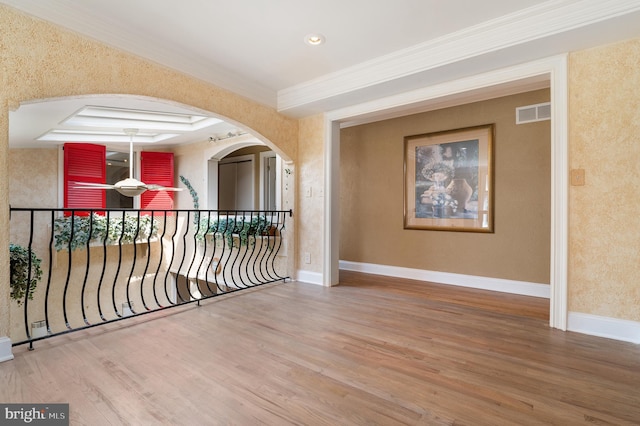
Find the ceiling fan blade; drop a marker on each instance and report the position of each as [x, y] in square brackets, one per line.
[89, 185]
[153, 187]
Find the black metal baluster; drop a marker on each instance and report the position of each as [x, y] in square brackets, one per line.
[270, 253]
[161, 256]
[86, 271]
[105, 240]
[215, 249]
[184, 256]
[46, 296]
[26, 295]
[115, 279]
[246, 235]
[133, 263]
[66, 285]
[282, 215]
[146, 266]
[273, 251]
[173, 255]
[250, 264]
[193, 257]
[223, 235]
[204, 254]
[265, 253]
[237, 230]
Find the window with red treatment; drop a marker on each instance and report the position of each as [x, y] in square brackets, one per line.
[156, 168]
[84, 163]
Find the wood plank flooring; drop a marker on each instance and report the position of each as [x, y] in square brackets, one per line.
[372, 351]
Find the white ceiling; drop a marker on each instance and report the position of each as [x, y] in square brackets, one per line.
[373, 49]
[33, 120]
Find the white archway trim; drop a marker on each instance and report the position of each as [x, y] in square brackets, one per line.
[553, 69]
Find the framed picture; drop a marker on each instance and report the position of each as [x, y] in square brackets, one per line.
[448, 182]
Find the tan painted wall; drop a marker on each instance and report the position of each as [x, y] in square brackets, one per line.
[604, 132]
[40, 60]
[190, 162]
[372, 196]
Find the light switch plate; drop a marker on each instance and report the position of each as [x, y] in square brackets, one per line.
[577, 177]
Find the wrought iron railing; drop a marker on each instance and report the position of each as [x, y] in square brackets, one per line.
[74, 269]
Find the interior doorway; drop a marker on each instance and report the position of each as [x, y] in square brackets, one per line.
[269, 180]
[236, 183]
[552, 70]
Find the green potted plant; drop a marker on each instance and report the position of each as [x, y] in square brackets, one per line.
[258, 226]
[20, 283]
[87, 229]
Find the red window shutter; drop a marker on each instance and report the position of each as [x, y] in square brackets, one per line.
[156, 168]
[84, 163]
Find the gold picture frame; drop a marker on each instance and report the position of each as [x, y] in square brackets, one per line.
[448, 180]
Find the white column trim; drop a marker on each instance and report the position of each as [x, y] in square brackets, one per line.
[5, 349]
[331, 240]
[559, 194]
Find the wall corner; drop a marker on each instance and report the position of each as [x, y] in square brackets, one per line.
[5, 349]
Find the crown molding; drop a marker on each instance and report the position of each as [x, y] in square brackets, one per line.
[545, 20]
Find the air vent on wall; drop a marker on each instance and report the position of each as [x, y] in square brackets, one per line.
[531, 113]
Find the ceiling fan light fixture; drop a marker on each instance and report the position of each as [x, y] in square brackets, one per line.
[130, 192]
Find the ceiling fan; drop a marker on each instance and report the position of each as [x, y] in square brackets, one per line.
[128, 187]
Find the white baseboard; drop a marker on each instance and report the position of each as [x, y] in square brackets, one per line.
[495, 284]
[309, 277]
[5, 349]
[611, 328]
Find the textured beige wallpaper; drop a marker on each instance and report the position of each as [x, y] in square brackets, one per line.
[372, 158]
[4, 216]
[33, 177]
[310, 181]
[604, 132]
[33, 182]
[39, 60]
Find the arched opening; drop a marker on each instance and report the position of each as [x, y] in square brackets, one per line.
[159, 255]
[243, 174]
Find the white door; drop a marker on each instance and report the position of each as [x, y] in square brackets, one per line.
[269, 189]
[235, 184]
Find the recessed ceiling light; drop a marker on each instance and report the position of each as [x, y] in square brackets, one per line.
[314, 39]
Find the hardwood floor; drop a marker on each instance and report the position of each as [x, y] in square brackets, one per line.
[374, 350]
